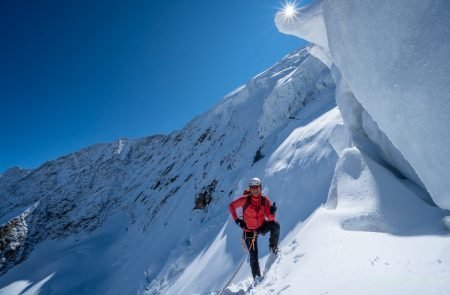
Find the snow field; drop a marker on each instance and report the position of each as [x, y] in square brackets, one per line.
[368, 239]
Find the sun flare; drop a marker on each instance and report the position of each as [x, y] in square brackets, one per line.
[289, 10]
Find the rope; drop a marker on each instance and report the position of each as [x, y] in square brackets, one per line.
[235, 273]
[252, 245]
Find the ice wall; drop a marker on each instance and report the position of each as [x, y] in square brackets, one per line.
[394, 57]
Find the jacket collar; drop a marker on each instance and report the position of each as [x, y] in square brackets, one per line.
[256, 198]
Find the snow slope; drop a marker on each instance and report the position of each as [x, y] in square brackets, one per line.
[297, 177]
[118, 218]
[373, 236]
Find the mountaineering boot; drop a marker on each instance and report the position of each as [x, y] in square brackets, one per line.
[256, 273]
[274, 249]
[257, 280]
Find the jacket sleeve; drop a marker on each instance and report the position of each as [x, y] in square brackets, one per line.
[270, 217]
[239, 202]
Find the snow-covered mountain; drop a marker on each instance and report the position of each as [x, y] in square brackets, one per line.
[104, 216]
[360, 191]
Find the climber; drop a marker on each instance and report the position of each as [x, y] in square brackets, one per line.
[258, 217]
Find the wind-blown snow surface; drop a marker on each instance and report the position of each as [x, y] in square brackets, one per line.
[118, 218]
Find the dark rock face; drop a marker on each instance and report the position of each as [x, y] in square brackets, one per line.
[258, 155]
[13, 235]
[205, 196]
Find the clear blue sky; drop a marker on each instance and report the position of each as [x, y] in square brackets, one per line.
[76, 73]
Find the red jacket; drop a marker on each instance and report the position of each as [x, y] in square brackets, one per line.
[255, 214]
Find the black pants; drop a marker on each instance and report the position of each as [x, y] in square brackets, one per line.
[252, 243]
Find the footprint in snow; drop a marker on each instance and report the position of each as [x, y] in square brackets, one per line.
[298, 257]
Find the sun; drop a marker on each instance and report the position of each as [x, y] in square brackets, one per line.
[289, 10]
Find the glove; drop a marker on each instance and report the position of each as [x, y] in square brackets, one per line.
[241, 223]
[273, 208]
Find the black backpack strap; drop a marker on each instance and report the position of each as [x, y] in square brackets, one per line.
[247, 202]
